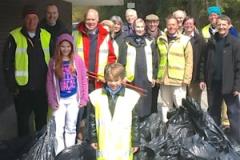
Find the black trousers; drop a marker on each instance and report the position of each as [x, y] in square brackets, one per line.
[26, 102]
[215, 98]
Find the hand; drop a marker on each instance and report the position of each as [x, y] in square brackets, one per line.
[153, 82]
[94, 146]
[135, 149]
[202, 85]
[236, 93]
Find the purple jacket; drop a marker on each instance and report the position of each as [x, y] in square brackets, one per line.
[53, 90]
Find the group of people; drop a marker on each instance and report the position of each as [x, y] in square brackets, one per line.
[84, 75]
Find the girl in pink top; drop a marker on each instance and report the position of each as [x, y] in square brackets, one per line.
[67, 89]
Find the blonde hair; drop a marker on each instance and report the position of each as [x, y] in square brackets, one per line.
[114, 71]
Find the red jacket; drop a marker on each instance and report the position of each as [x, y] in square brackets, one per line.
[102, 33]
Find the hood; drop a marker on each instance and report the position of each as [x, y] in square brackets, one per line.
[64, 37]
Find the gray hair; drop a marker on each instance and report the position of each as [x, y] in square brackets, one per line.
[115, 19]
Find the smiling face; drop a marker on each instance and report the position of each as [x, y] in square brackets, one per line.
[139, 27]
[91, 19]
[114, 83]
[65, 49]
[52, 14]
[152, 25]
[189, 26]
[223, 27]
[172, 26]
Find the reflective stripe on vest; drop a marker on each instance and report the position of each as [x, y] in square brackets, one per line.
[21, 55]
[205, 32]
[103, 52]
[173, 57]
[114, 133]
[131, 60]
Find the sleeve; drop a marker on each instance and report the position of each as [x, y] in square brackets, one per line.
[92, 124]
[155, 60]
[51, 90]
[135, 128]
[236, 57]
[122, 53]
[202, 64]
[188, 63]
[84, 81]
[111, 55]
[8, 64]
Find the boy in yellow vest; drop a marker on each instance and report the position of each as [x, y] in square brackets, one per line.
[113, 122]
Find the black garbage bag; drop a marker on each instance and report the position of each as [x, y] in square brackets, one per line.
[77, 152]
[190, 134]
[13, 149]
[42, 147]
[151, 128]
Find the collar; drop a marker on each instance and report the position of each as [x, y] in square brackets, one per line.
[121, 92]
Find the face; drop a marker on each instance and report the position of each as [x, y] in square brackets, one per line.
[213, 19]
[65, 48]
[189, 25]
[114, 84]
[180, 17]
[172, 26]
[223, 27]
[52, 14]
[152, 25]
[31, 22]
[130, 17]
[116, 27]
[91, 20]
[139, 28]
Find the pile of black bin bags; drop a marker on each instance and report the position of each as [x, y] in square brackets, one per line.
[190, 134]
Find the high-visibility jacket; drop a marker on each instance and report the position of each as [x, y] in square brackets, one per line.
[173, 58]
[114, 133]
[205, 32]
[21, 55]
[131, 60]
[103, 52]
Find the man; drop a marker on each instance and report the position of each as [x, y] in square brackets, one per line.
[180, 15]
[152, 24]
[222, 75]
[175, 67]
[52, 23]
[94, 45]
[153, 31]
[131, 16]
[26, 56]
[199, 49]
[210, 29]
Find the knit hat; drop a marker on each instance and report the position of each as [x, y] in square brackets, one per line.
[64, 37]
[152, 17]
[214, 9]
[29, 9]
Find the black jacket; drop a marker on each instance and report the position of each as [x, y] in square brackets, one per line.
[199, 50]
[37, 66]
[230, 64]
[92, 123]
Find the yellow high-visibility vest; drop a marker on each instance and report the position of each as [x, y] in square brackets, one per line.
[172, 56]
[114, 133]
[21, 55]
[205, 32]
[103, 52]
[131, 60]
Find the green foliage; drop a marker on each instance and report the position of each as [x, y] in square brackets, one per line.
[194, 8]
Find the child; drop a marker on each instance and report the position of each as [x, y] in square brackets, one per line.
[113, 123]
[67, 89]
